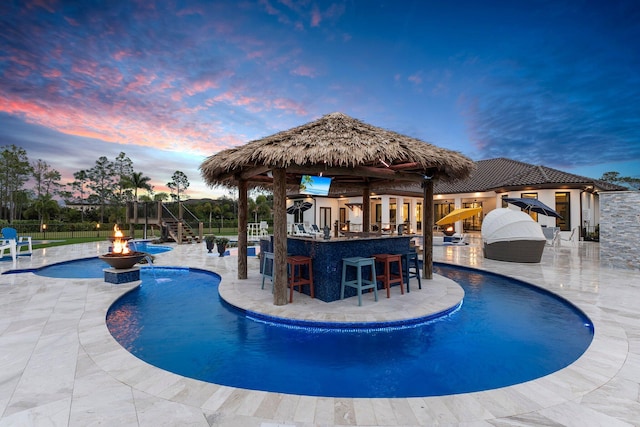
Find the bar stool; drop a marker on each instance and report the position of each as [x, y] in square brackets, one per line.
[295, 264]
[267, 256]
[410, 267]
[359, 283]
[387, 277]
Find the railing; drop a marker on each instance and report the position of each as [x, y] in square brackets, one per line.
[193, 222]
[185, 219]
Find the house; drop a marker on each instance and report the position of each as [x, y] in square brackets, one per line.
[574, 197]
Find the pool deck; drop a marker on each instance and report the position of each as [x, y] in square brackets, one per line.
[59, 366]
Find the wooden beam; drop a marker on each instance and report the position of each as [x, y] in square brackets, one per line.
[249, 173]
[366, 208]
[359, 171]
[399, 166]
[243, 207]
[279, 237]
[427, 229]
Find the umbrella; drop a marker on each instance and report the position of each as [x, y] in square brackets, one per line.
[298, 207]
[533, 205]
[458, 215]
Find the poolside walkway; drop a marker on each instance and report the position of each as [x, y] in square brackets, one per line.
[59, 366]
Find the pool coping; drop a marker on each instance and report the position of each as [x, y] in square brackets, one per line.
[569, 384]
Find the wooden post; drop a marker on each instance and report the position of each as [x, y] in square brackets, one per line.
[427, 229]
[279, 237]
[366, 209]
[242, 229]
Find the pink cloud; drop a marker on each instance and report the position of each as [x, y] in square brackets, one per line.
[121, 54]
[289, 105]
[316, 16]
[53, 74]
[304, 71]
[416, 78]
[48, 5]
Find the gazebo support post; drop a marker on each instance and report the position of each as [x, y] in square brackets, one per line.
[279, 236]
[243, 206]
[366, 208]
[427, 229]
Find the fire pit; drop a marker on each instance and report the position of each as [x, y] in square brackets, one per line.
[449, 231]
[121, 257]
[121, 262]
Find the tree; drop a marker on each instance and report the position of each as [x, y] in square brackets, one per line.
[178, 184]
[81, 179]
[138, 180]
[102, 178]
[263, 206]
[123, 169]
[47, 183]
[160, 197]
[14, 173]
[625, 181]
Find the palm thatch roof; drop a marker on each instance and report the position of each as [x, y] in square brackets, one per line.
[353, 153]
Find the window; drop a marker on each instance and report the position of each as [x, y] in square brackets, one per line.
[325, 217]
[442, 209]
[563, 207]
[473, 222]
[533, 215]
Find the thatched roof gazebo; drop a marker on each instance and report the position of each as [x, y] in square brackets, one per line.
[357, 156]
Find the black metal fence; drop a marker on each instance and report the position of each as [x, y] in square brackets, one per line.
[61, 230]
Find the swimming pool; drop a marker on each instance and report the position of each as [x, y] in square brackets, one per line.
[88, 268]
[506, 332]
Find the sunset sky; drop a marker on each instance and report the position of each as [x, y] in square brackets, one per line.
[169, 83]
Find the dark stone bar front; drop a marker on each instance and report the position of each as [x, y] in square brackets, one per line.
[327, 258]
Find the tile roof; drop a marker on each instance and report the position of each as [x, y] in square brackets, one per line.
[502, 173]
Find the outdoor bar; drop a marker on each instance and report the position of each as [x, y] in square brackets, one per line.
[327, 256]
[359, 158]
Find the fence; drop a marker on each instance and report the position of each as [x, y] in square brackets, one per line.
[61, 230]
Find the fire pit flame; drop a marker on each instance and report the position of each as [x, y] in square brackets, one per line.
[119, 243]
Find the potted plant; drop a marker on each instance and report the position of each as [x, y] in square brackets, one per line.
[209, 240]
[221, 243]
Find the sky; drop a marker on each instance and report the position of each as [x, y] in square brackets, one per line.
[169, 83]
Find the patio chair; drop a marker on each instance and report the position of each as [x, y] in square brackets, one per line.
[9, 233]
[8, 244]
[573, 237]
[316, 230]
[299, 230]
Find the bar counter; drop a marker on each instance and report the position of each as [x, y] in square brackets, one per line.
[327, 258]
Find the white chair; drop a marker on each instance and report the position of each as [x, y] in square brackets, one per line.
[573, 237]
[316, 230]
[9, 233]
[8, 244]
[299, 230]
[264, 228]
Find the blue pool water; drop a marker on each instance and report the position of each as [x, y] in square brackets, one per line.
[506, 332]
[89, 268]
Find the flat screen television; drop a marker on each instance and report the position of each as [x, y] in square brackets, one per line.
[315, 185]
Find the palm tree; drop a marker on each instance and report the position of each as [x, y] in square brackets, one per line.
[138, 180]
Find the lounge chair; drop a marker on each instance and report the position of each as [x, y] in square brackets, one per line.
[9, 233]
[299, 230]
[316, 230]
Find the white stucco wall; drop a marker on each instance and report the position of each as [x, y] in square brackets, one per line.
[620, 229]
